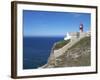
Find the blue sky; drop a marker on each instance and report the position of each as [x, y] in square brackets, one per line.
[47, 23]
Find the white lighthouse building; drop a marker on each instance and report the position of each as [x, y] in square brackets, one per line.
[77, 35]
[67, 36]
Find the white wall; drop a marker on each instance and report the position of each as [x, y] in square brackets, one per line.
[5, 41]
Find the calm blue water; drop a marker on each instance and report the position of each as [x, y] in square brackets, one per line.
[36, 50]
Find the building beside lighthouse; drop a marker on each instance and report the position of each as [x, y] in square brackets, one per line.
[77, 35]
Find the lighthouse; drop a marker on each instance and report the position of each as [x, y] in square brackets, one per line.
[81, 27]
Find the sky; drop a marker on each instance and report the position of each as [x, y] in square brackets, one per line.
[48, 23]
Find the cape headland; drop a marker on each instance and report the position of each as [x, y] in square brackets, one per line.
[74, 50]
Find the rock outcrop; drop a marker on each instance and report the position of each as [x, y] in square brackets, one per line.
[77, 54]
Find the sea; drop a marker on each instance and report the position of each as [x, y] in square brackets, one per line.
[36, 50]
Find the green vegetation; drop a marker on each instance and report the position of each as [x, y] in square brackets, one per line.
[82, 43]
[62, 43]
[81, 49]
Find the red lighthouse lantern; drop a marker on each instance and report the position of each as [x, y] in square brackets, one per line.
[81, 27]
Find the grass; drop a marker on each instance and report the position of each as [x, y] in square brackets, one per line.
[83, 42]
[62, 43]
[82, 60]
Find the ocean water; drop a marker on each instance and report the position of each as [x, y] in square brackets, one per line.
[36, 50]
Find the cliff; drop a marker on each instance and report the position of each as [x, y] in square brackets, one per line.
[77, 53]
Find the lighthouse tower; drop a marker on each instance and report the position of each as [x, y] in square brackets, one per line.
[81, 27]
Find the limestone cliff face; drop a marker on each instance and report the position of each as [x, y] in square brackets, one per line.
[79, 54]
